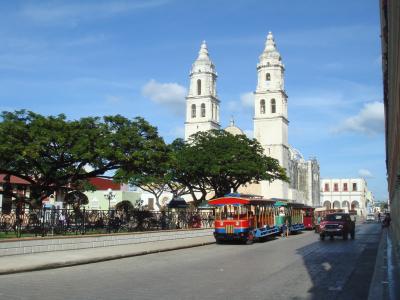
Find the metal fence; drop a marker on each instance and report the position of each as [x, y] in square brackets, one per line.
[72, 221]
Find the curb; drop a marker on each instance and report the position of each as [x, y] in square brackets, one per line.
[377, 290]
[97, 259]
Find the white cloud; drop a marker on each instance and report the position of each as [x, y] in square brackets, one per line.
[112, 99]
[56, 12]
[365, 173]
[232, 105]
[249, 133]
[370, 120]
[247, 99]
[169, 94]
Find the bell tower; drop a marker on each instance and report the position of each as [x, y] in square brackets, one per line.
[270, 114]
[202, 104]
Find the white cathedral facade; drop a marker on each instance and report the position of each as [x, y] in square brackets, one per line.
[270, 123]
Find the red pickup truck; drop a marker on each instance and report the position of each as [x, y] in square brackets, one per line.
[337, 224]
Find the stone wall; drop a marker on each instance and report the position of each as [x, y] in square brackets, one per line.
[27, 246]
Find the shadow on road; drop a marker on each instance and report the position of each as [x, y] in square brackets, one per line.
[341, 269]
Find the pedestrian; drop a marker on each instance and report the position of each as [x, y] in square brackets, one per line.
[287, 227]
[386, 220]
[379, 217]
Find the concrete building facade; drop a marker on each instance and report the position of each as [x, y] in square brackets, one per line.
[390, 38]
[270, 121]
[347, 194]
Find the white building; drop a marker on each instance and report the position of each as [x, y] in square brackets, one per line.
[270, 123]
[347, 194]
[202, 104]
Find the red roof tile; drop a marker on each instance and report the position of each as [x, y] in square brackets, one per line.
[14, 180]
[104, 184]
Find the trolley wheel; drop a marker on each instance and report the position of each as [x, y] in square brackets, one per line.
[250, 239]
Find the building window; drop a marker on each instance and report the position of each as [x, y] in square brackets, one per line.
[193, 110]
[273, 106]
[198, 87]
[335, 187]
[326, 188]
[262, 106]
[203, 110]
[345, 188]
[267, 77]
[354, 187]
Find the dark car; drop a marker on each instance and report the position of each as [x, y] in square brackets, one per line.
[337, 224]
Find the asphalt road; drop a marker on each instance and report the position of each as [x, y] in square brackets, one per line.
[298, 267]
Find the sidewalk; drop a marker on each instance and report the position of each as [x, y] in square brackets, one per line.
[59, 259]
[385, 283]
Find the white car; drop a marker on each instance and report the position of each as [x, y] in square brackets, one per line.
[370, 217]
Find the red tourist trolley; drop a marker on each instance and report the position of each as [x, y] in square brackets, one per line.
[244, 218]
[308, 217]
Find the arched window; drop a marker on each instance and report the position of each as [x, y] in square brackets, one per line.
[273, 106]
[203, 110]
[212, 110]
[262, 106]
[267, 77]
[198, 87]
[193, 110]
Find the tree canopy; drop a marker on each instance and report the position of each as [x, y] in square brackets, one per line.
[54, 153]
[219, 161]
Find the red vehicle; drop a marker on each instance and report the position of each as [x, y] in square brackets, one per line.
[337, 224]
[308, 217]
[320, 213]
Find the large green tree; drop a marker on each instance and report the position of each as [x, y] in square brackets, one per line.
[219, 161]
[54, 153]
[160, 179]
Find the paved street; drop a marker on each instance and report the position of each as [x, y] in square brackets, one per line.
[299, 267]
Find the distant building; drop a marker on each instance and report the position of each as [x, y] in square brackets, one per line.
[347, 194]
[270, 123]
[98, 200]
[15, 185]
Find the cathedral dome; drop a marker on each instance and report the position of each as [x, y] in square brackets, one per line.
[232, 129]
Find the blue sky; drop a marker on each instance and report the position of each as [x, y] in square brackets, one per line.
[133, 58]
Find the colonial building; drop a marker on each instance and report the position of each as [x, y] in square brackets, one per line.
[347, 194]
[270, 123]
[390, 24]
[202, 104]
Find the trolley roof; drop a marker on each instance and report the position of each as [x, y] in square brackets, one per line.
[240, 200]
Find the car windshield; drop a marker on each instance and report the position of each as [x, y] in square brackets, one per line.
[335, 217]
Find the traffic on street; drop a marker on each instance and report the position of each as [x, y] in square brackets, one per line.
[300, 266]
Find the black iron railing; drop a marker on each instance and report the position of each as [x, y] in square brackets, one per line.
[42, 222]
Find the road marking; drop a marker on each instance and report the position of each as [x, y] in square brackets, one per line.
[335, 288]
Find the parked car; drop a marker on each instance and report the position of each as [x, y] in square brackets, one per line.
[337, 224]
[370, 218]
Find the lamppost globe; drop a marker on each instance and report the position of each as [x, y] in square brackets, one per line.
[109, 195]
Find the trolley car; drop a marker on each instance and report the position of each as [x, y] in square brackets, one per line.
[308, 217]
[289, 215]
[244, 218]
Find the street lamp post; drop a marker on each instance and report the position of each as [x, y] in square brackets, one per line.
[109, 195]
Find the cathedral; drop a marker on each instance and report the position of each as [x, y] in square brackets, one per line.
[270, 123]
